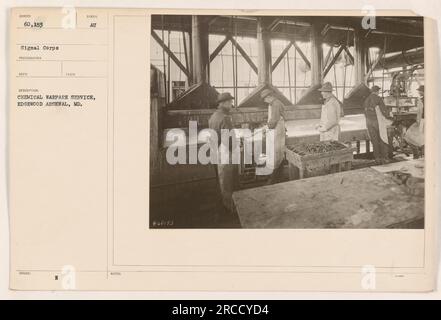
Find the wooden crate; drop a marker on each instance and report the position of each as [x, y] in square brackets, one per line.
[312, 165]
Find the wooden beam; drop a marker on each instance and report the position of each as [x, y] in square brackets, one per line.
[316, 53]
[351, 57]
[329, 66]
[302, 54]
[380, 56]
[368, 59]
[244, 54]
[328, 56]
[186, 53]
[368, 33]
[184, 39]
[211, 20]
[398, 34]
[264, 51]
[219, 48]
[170, 53]
[360, 57]
[190, 56]
[274, 24]
[325, 30]
[282, 55]
[201, 56]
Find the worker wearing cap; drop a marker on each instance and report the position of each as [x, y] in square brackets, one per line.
[332, 112]
[381, 148]
[276, 122]
[226, 172]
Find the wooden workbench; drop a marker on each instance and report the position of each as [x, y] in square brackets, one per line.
[353, 128]
[364, 198]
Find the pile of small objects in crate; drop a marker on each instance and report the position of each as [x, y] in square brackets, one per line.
[304, 149]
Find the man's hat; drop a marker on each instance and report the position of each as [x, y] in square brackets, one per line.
[265, 93]
[375, 89]
[327, 86]
[224, 96]
[421, 88]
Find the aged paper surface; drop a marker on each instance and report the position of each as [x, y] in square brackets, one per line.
[79, 178]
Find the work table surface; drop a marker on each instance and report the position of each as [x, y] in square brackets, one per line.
[364, 198]
[352, 127]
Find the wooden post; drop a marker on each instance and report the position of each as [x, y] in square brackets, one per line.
[200, 53]
[184, 41]
[264, 52]
[360, 57]
[316, 54]
[157, 103]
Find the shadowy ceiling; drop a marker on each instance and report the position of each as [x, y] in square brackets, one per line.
[401, 33]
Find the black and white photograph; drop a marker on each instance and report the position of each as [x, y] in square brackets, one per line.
[267, 151]
[286, 122]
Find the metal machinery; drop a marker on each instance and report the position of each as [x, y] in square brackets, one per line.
[403, 108]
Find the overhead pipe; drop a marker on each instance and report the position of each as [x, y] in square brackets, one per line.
[401, 59]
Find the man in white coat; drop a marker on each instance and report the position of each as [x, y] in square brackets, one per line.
[329, 126]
